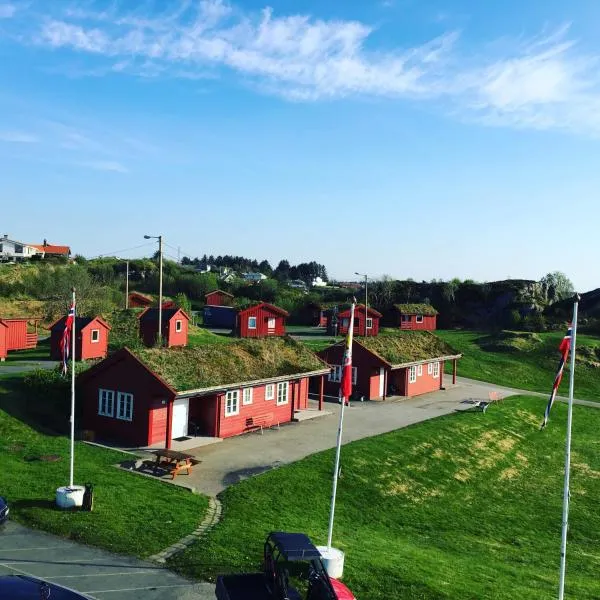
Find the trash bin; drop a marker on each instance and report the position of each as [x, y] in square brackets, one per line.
[88, 497]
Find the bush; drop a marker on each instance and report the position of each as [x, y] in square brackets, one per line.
[125, 330]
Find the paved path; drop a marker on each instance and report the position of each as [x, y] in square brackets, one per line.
[99, 574]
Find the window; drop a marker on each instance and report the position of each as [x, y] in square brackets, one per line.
[251, 322]
[406, 318]
[247, 396]
[436, 369]
[232, 403]
[178, 325]
[354, 373]
[270, 391]
[282, 393]
[345, 322]
[271, 323]
[412, 374]
[95, 336]
[420, 370]
[336, 373]
[429, 368]
[124, 406]
[18, 249]
[419, 318]
[106, 403]
[369, 323]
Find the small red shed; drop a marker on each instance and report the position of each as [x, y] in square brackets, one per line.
[91, 338]
[417, 317]
[392, 364]
[3, 335]
[145, 398]
[139, 300]
[175, 324]
[261, 320]
[219, 298]
[19, 335]
[372, 321]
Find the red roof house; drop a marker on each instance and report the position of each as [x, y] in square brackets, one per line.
[218, 298]
[174, 326]
[18, 334]
[417, 317]
[261, 320]
[392, 364]
[3, 332]
[359, 321]
[91, 338]
[47, 250]
[139, 300]
[145, 398]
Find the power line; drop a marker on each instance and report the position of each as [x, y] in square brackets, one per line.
[115, 252]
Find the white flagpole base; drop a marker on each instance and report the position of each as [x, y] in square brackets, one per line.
[333, 561]
[70, 496]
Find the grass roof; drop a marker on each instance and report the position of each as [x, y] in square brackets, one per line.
[417, 309]
[399, 347]
[222, 364]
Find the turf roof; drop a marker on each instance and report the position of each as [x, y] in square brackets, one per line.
[417, 309]
[399, 347]
[222, 364]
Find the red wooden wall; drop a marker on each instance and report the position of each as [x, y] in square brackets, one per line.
[85, 349]
[218, 298]
[17, 337]
[425, 382]
[3, 332]
[429, 322]
[149, 330]
[262, 314]
[359, 322]
[138, 301]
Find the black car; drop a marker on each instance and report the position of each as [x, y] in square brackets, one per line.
[3, 510]
[20, 587]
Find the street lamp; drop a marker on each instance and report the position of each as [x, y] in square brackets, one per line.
[366, 299]
[160, 278]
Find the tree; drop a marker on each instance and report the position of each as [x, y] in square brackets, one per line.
[181, 301]
[557, 285]
[282, 271]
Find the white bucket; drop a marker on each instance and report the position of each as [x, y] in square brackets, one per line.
[333, 561]
[70, 497]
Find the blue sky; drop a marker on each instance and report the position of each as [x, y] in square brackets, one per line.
[415, 139]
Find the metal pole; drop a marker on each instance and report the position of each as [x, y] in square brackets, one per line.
[160, 285]
[127, 286]
[566, 491]
[73, 347]
[366, 307]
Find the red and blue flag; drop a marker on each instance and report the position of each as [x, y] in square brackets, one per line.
[564, 348]
[65, 341]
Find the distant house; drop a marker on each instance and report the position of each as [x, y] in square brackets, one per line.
[253, 277]
[91, 338]
[139, 300]
[12, 250]
[19, 335]
[372, 321]
[297, 284]
[52, 250]
[417, 316]
[392, 364]
[218, 298]
[146, 398]
[174, 327]
[318, 282]
[3, 335]
[261, 320]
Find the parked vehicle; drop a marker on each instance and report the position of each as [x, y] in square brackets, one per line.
[21, 587]
[4, 510]
[292, 570]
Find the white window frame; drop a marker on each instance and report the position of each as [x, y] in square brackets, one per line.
[429, 368]
[273, 321]
[419, 319]
[231, 397]
[412, 374]
[124, 401]
[178, 325]
[270, 391]
[110, 394]
[247, 396]
[335, 374]
[436, 370]
[251, 319]
[283, 398]
[97, 332]
[369, 323]
[420, 370]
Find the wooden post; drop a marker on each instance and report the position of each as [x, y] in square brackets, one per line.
[385, 383]
[454, 372]
[171, 401]
[321, 390]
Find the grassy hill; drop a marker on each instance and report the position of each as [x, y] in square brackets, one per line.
[526, 360]
[466, 506]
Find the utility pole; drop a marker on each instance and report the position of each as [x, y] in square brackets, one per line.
[366, 300]
[127, 285]
[160, 288]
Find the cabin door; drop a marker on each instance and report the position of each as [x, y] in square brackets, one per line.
[181, 409]
[381, 382]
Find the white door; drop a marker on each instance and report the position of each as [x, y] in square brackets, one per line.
[381, 382]
[180, 418]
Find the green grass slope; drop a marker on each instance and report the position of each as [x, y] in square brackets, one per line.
[466, 506]
[526, 361]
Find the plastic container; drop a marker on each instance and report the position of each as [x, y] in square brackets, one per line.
[333, 561]
[70, 497]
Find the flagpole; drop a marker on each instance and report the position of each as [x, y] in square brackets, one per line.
[339, 437]
[73, 348]
[566, 491]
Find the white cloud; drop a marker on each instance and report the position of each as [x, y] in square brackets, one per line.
[18, 137]
[105, 165]
[7, 11]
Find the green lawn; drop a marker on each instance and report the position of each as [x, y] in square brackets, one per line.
[132, 514]
[198, 336]
[41, 352]
[466, 506]
[532, 367]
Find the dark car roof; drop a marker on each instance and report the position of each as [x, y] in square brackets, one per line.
[20, 587]
[294, 546]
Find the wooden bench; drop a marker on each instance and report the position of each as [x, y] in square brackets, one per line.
[260, 422]
[482, 405]
[175, 462]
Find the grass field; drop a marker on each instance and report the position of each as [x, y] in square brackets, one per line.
[197, 336]
[132, 514]
[40, 352]
[529, 363]
[466, 506]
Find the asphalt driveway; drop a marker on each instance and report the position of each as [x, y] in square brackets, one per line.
[99, 574]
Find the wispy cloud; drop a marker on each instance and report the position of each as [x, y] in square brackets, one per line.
[18, 137]
[7, 11]
[105, 165]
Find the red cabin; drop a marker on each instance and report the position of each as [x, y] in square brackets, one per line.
[219, 298]
[3, 335]
[359, 321]
[393, 364]
[262, 320]
[139, 300]
[175, 324]
[18, 335]
[145, 399]
[91, 338]
[417, 317]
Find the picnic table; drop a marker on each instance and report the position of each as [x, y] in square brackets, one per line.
[175, 461]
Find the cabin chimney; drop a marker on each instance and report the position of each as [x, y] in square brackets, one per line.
[6, 236]
[45, 242]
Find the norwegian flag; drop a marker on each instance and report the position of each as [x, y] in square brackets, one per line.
[563, 348]
[346, 382]
[65, 341]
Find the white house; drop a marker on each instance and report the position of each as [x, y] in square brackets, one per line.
[318, 282]
[253, 277]
[11, 250]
